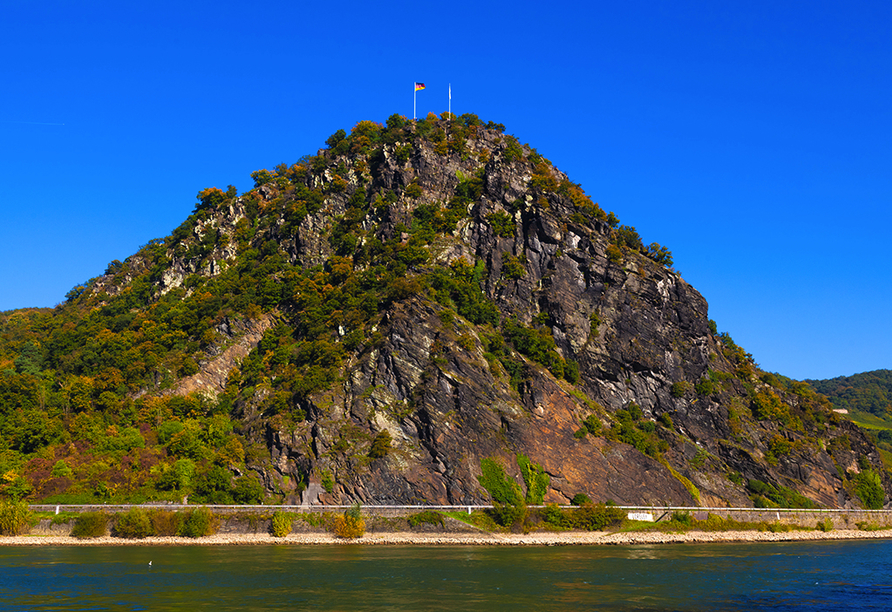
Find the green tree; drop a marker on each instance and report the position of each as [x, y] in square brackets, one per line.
[335, 139]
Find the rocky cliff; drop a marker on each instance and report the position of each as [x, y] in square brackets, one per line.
[423, 296]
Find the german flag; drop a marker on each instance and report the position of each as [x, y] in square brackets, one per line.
[419, 86]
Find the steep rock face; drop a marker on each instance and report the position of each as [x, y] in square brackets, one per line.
[662, 410]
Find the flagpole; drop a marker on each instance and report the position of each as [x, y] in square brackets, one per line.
[414, 98]
[450, 101]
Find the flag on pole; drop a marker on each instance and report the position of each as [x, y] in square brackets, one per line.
[418, 87]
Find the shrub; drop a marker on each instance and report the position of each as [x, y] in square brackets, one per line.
[535, 478]
[592, 517]
[198, 523]
[502, 489]
[825, 525]
[768, 496]
[513, 267]
[768, 406]
[704, 386]
[502, 224]
[381, 445]
[15, 518]
[350, 524]
[679, 388]
[509, 515]
[247, 490]
[327, 481]
[61, 470]
[594, 321]
[626, 235]
[867, 526]
[869, 488]
[133, 524]
[571, 372]
[90, 525]
[659, 253]
[281, 524]
[580, 499]
[775, 527]
[588, 516]
[165, 522]
[592, 424]
[508, 501]
[553, 515]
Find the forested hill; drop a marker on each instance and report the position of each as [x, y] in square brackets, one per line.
[869, 392]
[423, 312]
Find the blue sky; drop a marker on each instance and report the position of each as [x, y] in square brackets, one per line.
[753, 139]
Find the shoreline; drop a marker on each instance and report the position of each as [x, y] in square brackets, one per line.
[566, 538]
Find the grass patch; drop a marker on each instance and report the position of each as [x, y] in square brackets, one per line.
[692, 489]
[477, 518]
[316, 519]
[426, 517]
[867, 420]
[870, 526]
[56, 519]
[683, 522]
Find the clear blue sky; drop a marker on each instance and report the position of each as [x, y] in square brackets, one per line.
[753, 139]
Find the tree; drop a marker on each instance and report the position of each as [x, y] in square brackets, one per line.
[335, 139]
[659, 254]
[210, 198]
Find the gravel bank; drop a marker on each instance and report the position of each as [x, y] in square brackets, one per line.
[459, 539]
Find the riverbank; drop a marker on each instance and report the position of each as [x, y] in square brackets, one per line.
[565, 538]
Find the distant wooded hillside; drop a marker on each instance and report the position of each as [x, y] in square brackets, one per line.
[866, 392]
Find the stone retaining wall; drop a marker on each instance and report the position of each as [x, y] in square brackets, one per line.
[256, 519]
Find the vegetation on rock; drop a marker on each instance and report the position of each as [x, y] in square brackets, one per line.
[379, 319]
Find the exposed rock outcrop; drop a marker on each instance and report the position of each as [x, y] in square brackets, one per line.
[562, 339]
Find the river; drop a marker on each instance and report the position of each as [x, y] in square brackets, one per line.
[850, 575]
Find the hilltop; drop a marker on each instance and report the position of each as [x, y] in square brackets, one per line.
[422, 312]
